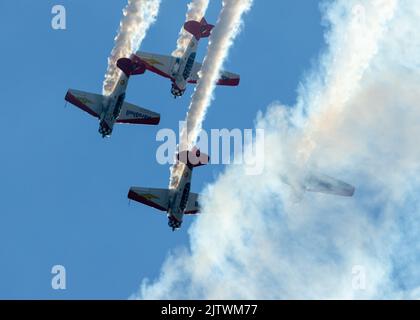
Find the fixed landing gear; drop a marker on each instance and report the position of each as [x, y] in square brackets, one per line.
[104, 130]
[176, 92]
[174, 223]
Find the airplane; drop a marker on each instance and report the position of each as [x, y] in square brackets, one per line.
[320, 183]
[185, 70]
[179, 201]
[112, 109]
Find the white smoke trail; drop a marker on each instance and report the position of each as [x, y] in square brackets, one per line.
[252, 242]
[343, 77]
[196, 11]
[221, 39]
[138, 16]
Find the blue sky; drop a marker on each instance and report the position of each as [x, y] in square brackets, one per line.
[63, 188]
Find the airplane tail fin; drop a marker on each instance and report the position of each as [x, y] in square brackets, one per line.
[199, 29]
[131, 66]
[194, 158]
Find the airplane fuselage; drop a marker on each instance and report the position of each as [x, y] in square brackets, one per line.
[112, 106]
[179, 198]
[182, 69]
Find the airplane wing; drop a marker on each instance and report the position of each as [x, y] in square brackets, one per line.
[156, 198]
[157, 63]
[136, 115]
[226, 78]
[193, 207]
[325, 184]
[88, 102]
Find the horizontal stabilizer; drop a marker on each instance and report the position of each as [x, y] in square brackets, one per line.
[131, 66]
[155, 198]
[88, 102]
[194, 158]
[199, 29]
[325, 184]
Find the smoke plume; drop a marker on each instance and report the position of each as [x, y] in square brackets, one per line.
[196, 11]
[138, 15]
[221, 40]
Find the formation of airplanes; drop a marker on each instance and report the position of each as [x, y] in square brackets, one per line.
[112, 109]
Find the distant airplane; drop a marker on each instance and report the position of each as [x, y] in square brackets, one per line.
[179, 201]
[184, 70]
[315, 182]
[112, 109]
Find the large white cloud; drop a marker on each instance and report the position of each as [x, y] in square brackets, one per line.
[358, 119]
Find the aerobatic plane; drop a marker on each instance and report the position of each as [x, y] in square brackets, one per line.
[112, 109]
[179, 201]
[185, 70]
[315, 182]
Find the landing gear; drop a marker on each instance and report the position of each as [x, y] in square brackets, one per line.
[104, 130]
[174, 223]
[176, 92]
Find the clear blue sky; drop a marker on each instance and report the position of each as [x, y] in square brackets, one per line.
[63, 188]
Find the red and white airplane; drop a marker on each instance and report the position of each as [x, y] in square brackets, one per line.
[112, 109]
[179, 201]
[185, 70]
